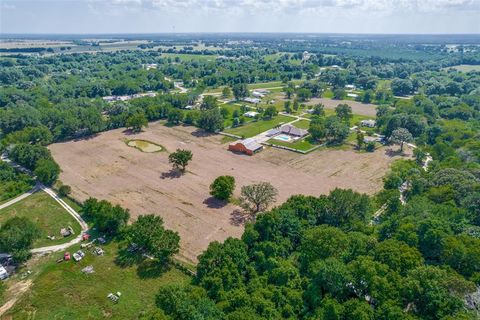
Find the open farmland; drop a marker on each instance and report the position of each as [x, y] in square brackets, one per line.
[106, 168]
[364, 109]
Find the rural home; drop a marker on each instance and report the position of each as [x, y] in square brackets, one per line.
[368, 123]
[248, 146]
[350, 87]
[257, 94]
[252, 100]
[293, 131]
[251, 114]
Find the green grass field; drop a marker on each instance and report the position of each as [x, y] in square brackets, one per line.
[46, 213]
[302, 144]
[465, 67]
[189, 57]
[62, 291]
[302, 124]
[253, 128]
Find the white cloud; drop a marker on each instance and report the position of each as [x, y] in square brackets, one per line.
[254, 6]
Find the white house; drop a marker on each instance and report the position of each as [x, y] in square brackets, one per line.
[368, 123]
[350, 87]
[251, 114]
[257, 94]
[252, 100]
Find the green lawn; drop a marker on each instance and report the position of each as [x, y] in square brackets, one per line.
[302, 144]
[62, 291]
[189, 57]
[266, 85]
[253, 128]
[302, 124]
[46, 213]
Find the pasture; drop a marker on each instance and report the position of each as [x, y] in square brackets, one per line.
[46, 213]
[106, 168]
[63, 291]
[464, 68]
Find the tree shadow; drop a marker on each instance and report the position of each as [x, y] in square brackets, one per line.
[200, 133]
[86, 137]
[149, 269]
[126, 258]
[240, 218]
[130, 132]
[171, 174]
[393, 153]
[214, 203]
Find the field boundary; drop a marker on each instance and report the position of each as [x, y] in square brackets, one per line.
[230, 135]
[293, 149]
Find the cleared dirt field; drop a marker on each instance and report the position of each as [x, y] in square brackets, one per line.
[106, 168]
[365, 109]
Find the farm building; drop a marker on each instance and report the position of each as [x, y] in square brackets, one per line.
[248, 146]
[257, 94]
[350, 87]
[368, 123]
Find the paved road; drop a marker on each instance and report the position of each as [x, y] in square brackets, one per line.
[51, 193]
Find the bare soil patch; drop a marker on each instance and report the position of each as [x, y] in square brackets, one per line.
[106, 168]
[365, 109]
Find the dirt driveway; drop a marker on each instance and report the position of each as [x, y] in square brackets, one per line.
[106, 168]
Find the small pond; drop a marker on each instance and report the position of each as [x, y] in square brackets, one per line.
[145, 146]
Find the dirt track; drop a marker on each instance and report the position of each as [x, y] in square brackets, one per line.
[106, 168]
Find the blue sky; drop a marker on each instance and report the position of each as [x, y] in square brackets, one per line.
[157, 16]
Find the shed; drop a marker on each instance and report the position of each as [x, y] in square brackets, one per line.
[248, 146]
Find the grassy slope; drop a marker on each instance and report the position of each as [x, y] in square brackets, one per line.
[62, 291]
[46, 213]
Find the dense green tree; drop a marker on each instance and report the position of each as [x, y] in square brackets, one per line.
[17, 235]
[175, 116]
[180, 159]
[257, 197]
[336, 130]
[344, 112]
[400, 136]
[185, 302]
[270, 112]
[106, 217]
[222, 187]
[240, 91]
[136, 122]
[47, 171]
[209, 102]
[211, 120]
[149, 234]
